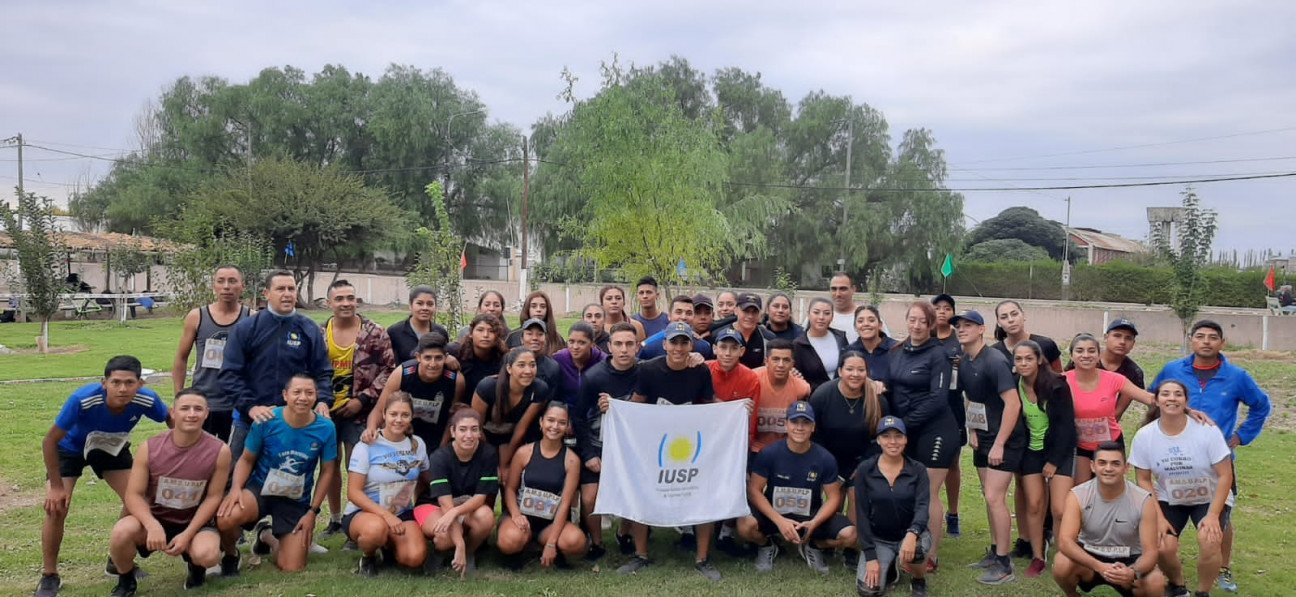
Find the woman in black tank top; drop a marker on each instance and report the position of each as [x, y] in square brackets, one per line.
[543, 479]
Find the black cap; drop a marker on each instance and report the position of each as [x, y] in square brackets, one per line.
[702, 300]
[747, 300]
[1120, 324]
[534, 322]
[944, 298]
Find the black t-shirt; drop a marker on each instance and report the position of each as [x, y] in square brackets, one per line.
[475, 370]
[499, 433]
[602, 378]
[455, 478]
[550, 372]
[1047, 345]
[432, 401]
[795, 481]
[845, 434]
[983, 380]
[663, 385]
[404, 339]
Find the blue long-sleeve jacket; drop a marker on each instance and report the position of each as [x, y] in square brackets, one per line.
[264, 351]
[1219, 399]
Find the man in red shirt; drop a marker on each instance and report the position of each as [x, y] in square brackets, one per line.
[733, 380]
[779, 390]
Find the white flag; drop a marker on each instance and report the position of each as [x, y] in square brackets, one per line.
[674, 465]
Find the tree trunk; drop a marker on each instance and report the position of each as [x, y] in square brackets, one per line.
[42, 341]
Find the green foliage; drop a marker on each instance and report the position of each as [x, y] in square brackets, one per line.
[784, 282]
[207, 241]
[1024, 224]
[128, 258]
[1002, 250]
[1188, 257]
[440, 254]
[39, 248]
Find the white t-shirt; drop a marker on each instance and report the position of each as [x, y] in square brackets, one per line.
[1183, 466]
[826, 348]
[391, 470]
[846, 323]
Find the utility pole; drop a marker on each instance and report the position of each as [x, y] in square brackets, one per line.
[1066, 254]
[850, 144]
[526, 192]
[19, 141]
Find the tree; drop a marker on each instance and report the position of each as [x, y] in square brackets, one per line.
[127, 259]
[40, 251]
[1026, 225]
[440, 253]
[204, 243]
[1188, 256]
[1003, 250]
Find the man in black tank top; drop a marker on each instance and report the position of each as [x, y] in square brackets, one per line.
[206, 328]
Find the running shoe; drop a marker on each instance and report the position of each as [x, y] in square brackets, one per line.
[316, 548]
[434, 562]
[730, 547]
[196, 577]
[470, 563]
[765, 556]
[259, 547]
[997, 574]
[850, 559]
[49, 585]
[111, 570]
[368, 566]
[636, 563]
[350, 545]
[687, 542]
[626, 544]
[1173, 590]
[952, 528]
[333, 528]
[918, 587]
[1036, 568]
[1226, 582]
[707, 570]
[229, 565]
[986, 561]
[596, 553]
[814, 558]
[125, 586]
[1022, 550]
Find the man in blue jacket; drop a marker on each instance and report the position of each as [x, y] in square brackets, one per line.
[267, 349]
[1218, 388]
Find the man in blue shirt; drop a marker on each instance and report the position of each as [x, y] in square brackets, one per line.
[93, 429]
[267, 349]
[649, 315]
[655, 344]
[1218, 389]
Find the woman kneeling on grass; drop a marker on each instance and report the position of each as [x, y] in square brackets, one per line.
[542, 485]
[455, 513]
[381, 486]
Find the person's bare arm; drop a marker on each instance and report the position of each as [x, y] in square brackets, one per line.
[180, 366]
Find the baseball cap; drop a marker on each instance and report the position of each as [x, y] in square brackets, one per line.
[801, 410]
[730, 334]
[748, 299]
[971, 316]
[887, 423]
[700, 300]
[1122, 324]
[943, 298]
[675, 329]
[534, 321]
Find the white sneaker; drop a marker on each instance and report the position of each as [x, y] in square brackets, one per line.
[814, 558]
[765, 556]
[316, 548]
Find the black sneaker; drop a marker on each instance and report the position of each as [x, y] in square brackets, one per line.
[49, 585]
[953, 529]
[1173, 590]
[513, 562]
[1022, 549]
[636, 563]
[560, 562]
[125, 586]
[333, 528]
[596, 553]
[368, 566]
[850, 559]
[229, 565]
[918, 587]
[197, 576]
[260, 547]
[626, 544]
[687, 543]
[111, 570]
[434, 562]
[707, 570]
[731, 548]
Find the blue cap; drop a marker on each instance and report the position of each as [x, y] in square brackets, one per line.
[676, 329]
[801, 410]
[1122, 324]
[971, 316]
[730, 334]
[888, 423]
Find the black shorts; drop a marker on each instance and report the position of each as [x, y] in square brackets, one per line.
[1178, 516]
[171, 531]
[72, 465]
[1090, 453]
[1097, 580]
[219, 424]
[588, 477]
[349, 430]
[935, 447]
[963, 436]
[284, 512]
[406, 516]
[1012, 455]
[827, 531]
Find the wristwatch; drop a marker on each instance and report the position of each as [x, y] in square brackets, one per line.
[315, 509]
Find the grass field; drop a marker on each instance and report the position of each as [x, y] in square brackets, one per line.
[1265, 516]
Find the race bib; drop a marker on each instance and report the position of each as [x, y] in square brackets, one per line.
[1094, 431]
[213, 354]
[569, 441]
[1191, 491]
[540, 504]
[179, 494]
[429, 411]
[279, 483]
[395, 496]
[1110, 551]
[792, 500]
[111, 443]
[976, 416]
[664, 402]
[771, 420]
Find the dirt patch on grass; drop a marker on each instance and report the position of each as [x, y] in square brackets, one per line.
[14, 497]
[73, 349]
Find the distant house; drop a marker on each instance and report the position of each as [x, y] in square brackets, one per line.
[1101, 247]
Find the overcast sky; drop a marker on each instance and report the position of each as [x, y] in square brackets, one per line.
[1008, 88]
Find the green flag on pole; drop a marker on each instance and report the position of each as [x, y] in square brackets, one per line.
[947, 269]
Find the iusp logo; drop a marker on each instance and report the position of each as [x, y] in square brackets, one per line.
[676, 456]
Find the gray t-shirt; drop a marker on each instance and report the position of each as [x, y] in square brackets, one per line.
[209, 341]
[1111, 529]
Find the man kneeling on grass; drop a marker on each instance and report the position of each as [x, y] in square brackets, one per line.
[274, 477]
[174, 489]
[93, 429]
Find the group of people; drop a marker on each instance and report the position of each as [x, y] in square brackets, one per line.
[852, 436]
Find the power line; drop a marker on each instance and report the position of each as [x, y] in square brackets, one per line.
[1015, 188]
[1101, 167]
[1140, 146]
